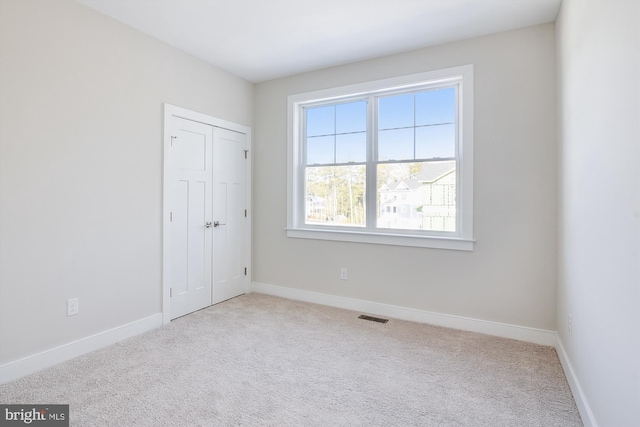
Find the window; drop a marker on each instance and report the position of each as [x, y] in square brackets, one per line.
[385, 162]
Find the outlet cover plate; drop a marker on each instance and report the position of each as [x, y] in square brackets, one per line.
[73, 307]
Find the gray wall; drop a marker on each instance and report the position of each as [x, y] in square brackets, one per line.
[599, 134]
[511, 275]
[81, 167]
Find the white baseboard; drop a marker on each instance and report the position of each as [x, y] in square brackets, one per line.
[31, 364]
[522, 333]
[578, 395]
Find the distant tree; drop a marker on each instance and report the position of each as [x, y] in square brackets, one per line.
[343, 188]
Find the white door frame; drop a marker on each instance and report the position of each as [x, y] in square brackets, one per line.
[173, 111]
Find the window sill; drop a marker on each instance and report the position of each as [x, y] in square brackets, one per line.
[450, 243]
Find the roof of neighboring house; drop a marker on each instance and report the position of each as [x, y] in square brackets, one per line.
[430, 172]
[407, 184]
[433, 171]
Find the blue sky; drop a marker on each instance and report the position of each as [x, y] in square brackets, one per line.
[410, 126]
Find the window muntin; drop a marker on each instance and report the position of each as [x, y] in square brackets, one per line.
[417, 130]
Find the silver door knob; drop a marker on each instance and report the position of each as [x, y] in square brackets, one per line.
[216, 223]
[208, 225]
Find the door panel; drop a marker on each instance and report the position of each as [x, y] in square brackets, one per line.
[191, 199]
[179, 231]
[229, 210]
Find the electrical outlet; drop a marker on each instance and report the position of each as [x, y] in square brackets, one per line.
[570, 324]
[73, 307]
[343, 274]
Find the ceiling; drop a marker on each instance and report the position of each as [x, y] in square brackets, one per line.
[261, 40]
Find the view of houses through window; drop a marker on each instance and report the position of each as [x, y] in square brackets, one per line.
[411, 196]
[417, 196]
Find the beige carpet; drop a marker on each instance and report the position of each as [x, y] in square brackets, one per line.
[262, 360]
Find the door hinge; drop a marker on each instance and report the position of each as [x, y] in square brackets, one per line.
[170, 292]
[245, 271]
[170, 216]
[245, 153]
[245, 213]
[172, 138]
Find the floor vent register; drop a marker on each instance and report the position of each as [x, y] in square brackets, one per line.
[373, 319]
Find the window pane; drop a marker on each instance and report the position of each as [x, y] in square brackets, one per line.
[335, 195]
[320, 150]
[351, 148]
[351, 117]
[395, 111]
[435, 141]
[436, 107]
[395, 144]
[417, 196]
[321, 120]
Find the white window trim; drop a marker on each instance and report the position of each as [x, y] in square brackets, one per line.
[464, 241]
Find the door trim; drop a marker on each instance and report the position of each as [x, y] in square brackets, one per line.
[174, 111]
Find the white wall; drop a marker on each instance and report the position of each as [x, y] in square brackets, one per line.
[511, 275]
[81, 167]
[599, 134]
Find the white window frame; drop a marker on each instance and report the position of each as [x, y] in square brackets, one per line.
[462, 239]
